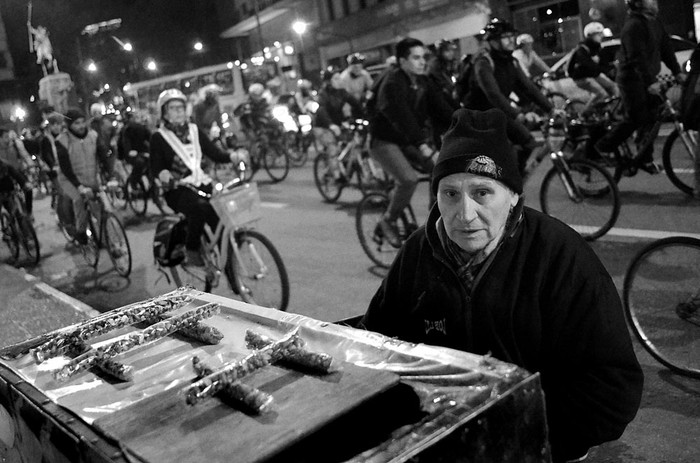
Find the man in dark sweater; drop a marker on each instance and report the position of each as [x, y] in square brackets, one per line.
[487, 275]
[644, 44]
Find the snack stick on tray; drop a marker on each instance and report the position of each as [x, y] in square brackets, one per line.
[317, 361]
[152, 333]
[215, 382]
[201, 332]
[253, 398]
[150, 309]
[111, 367]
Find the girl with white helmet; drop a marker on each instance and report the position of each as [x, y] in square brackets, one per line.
[177, 148]
[585, 68]
[529, 60]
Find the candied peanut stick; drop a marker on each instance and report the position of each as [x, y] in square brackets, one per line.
[149, 309]
[317, 361]
[152, 333]
[111, 367]
[215, 382]
[199, 331]
[253, 398]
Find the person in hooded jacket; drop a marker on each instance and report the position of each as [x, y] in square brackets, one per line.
[489, 276]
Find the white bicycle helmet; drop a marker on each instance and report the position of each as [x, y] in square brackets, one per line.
[256, 89]
[169, 95]
[524, 38]
[593, 28]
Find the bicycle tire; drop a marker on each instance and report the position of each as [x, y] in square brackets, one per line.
[254, 284]
[297, 152]
[679, 165]
[367, 216]
[324, 180]
[276, 162]
[9, 234]
[91, 249]
[183, 277]
[118, 246]
[137, 197]
[661, 297]
[595, 192]
[30, 242]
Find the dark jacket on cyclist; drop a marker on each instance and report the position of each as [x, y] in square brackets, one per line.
[581, 64]
[9, 176]
[496, 75]
[135, 136]
[543, 301]
[403, 109]
[330, 106]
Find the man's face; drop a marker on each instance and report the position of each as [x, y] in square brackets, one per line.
[175, 112]
[414, 63]
[597, 37]
[448, 54]
[505, 43]
[474, 210]
[651, 6]
[55, 127]
[79, 126]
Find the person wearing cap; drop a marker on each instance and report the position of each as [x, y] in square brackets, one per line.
[585, 69]
[54, 127]
[79, 154]
[490, 276]
[530, 62]
[177, 151]
[495, 74]
[355, 79]
[644, 45]
[206, 113]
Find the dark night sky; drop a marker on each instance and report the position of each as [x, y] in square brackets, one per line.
[162, 29]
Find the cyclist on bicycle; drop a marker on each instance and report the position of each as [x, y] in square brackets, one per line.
[528, 59]
[494, 76]
[135, 143]
[9, 176]
[584, 67]
[13, 153]
[177, 149]
[644, 44]
[355, 79]
[405, 101]
[80, 156]
[254, 113]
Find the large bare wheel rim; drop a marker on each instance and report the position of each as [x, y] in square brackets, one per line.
[118, 245]
[369, 212]
[679, 162]
[661, 296]
[10, 235]
[324, 179]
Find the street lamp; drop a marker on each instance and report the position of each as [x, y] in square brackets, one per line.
[300, 26]
[151, 65]
[198, 46]
[91, 67]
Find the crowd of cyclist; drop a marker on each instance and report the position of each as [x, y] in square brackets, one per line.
[409, 107]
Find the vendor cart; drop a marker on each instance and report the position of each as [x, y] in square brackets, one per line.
[387, 400]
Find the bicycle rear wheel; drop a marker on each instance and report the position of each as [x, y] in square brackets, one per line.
[30, 242]
[137, 197]
[91, 249]
[593, 208]
[276, 162]
[117, 245]
[661, 295]
[325, 181]
[679, 162]
[260, 277]
[367, 216]
[10, 234]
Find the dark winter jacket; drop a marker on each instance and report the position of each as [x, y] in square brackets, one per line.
[330, 106]
[581, 64]
[403, 108]
[495, 76]
[690, 100]
[9, 176]
[644, 44]
[163, 156]
[543, 301]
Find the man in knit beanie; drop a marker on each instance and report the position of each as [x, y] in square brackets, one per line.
[489, 276]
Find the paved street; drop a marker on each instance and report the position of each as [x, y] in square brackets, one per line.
[331, 279]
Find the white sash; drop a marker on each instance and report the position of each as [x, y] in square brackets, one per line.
[190, 154]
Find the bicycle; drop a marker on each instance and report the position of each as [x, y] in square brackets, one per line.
[586, 196]
[17, 229]
[353, 160]
[141, 188]
[104, 230]
[252, 265]
[661, 297]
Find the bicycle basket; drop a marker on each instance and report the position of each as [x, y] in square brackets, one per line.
[238, 206]
[169, 241]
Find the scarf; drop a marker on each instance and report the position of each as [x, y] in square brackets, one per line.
[182, 131]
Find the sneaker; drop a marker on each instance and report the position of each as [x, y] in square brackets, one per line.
[650, 167]
[389, 232]
[194, 258]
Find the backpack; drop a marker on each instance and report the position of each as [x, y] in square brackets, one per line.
[169, 241]
[371, 102]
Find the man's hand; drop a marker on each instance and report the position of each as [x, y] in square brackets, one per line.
[85, 191]
[425, 150]
[596, 59]
[165, 176]
[133, 153]
[655, 88]
[335, 129]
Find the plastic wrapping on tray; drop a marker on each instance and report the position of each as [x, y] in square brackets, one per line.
[438, 375]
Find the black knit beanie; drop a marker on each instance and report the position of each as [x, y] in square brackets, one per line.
[73, 114]
[477, 143]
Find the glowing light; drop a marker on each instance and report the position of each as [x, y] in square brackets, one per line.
[91, 67]
[106, 87]
[229, 65]
[266, 50]
[198, 46]
[19, 113]
[277, 44]
[277, 59]
[288, 50]
[560, 20]
[607, 32]
[128, 47]
[237, 62]
[299, 27]
[187, 84]
[244, 66]
[549, 12]
[151, 65]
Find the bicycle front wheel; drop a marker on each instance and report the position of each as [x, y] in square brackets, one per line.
[30, 242]
[260, 276]
[679, 161]
[10, 234]
[137, 197]
[367, 217]
[584, 196]
[326, 183]
[91, 249]
[661, 295]
[276, 162]
[117, 245]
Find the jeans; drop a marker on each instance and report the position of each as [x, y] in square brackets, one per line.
[71, 209]
[197, 210]
[393, 161]
[601, 87]
[641, 109]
